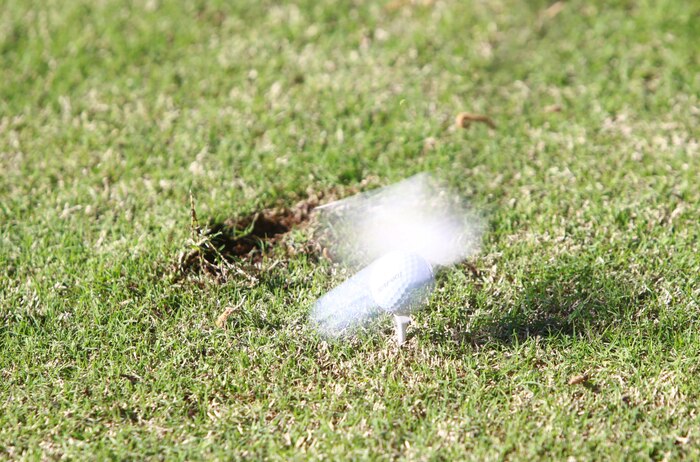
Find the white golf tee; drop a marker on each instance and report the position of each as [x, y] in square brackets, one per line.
[402, 321]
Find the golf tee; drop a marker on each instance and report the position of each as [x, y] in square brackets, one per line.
[402, 323]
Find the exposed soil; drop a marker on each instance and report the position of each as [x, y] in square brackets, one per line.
[248, 236]
[237, 245]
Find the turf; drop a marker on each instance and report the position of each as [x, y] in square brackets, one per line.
[112, 112]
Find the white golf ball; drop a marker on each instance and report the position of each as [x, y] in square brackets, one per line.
[400, 281]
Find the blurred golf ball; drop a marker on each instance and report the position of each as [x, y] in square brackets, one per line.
[400, 282]
[399, 235]
[397, 283]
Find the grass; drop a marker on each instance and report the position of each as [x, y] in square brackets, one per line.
[112, 112]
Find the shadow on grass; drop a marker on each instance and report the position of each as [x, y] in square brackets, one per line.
[567, 299]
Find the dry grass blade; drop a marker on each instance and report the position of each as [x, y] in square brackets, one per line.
[553, 10]
[465, 119]
[223, 317]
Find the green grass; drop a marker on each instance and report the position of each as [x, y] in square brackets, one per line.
[111, 112]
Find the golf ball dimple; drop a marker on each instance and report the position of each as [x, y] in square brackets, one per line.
[400, 281]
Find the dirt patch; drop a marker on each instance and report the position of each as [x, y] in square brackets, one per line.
[237, 246]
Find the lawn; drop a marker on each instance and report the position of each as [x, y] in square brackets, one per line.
[573, 334]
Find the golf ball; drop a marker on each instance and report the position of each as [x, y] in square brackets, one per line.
[400, 281]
